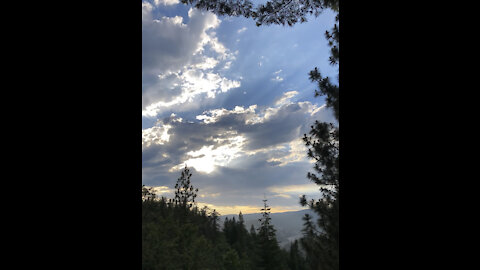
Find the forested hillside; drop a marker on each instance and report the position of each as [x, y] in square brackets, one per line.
[176, 234]
[288, 225]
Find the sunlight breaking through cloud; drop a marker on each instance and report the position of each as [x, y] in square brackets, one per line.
[205, 159]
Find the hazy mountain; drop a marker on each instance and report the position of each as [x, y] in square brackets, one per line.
[288, 224]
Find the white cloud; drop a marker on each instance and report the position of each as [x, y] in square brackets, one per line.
[175, 65]
[166, 2]
[241, 30]
[227, 65]
[208, 63]
[285, 98]
[161, 190]
[277, 79]
[146, 12]
[155, 135]
[295, 152]
[213, 116]
[192, 83]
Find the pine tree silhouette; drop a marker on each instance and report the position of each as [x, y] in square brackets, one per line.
[185, 194]
[268, 246]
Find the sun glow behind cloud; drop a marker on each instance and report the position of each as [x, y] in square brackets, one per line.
[218, 143]
[205, 159]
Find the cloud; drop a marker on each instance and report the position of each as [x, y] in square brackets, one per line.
[277, 79]
[241, 30]
[166, 2]
[180, 61]
[230, 150]
[155, 135]
[294, 152]
[227, 65]
[205, 159]
[296, 190]
[285, 98]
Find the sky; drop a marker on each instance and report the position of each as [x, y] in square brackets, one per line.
[231, 101]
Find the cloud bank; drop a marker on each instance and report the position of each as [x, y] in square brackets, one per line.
[181, 61]
[230, 150]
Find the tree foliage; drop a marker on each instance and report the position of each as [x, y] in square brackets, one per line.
[284, 12]
[148, 194]
[179, 237]
[269, 250]
[185, 193]
[296, 260]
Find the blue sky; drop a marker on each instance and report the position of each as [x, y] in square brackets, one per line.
[232, 101]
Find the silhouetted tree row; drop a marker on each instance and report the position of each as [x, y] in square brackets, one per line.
[176, 235]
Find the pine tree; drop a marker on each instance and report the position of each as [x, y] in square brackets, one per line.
[185, 194]
[295, 258]
[267, 241]
[240, 219]
[266, 231]
[148, 194]
[322, 246]
[253, 233]
[186, 241]
[214, 218]
[309, 243]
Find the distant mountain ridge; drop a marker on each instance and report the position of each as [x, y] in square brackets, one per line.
[289, 225]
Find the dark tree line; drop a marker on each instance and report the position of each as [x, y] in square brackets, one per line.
[179, 235]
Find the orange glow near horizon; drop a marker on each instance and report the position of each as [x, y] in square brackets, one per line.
[246, 209]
